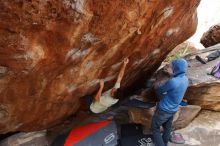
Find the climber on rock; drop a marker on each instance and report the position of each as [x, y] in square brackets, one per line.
[171, 94]
[102, 101]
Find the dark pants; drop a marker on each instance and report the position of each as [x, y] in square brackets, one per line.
[164, 119]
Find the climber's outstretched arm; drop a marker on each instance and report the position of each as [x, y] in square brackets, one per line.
[99, 93]
[122, 70]
[120, 76]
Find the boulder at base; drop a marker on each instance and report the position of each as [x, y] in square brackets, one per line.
[212, 36]
[204, 89]
[185, 115]
[26, 139]
[203, 131]
[182, 118]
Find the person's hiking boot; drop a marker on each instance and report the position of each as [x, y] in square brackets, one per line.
[177, 138]
[200, 59]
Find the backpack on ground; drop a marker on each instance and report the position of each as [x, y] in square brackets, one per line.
[216, 70]
[213, 55]
[103, 133]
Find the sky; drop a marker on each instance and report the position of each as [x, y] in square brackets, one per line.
[208, 15]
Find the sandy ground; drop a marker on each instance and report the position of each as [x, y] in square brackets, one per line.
[208, 15]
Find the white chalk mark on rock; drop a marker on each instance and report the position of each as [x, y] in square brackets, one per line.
[79, 54]
[77, 5]
[156, 51]
[71, 88]
[109, 78]
[138, 62]
[25, 56]
[76, 53]
[71, 52]
[35, 54]
[19, 125]
[165, 14]
[3, 113]
[89, 38]
[171, 31]
[94, 82]
[3, 70]
[167, 11]
[116, 66]
[89, 65]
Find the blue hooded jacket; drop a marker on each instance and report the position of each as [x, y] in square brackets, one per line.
[173, 90]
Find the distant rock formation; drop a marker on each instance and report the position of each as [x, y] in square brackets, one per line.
[212, 36]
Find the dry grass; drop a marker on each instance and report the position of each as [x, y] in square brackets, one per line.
[180, 51]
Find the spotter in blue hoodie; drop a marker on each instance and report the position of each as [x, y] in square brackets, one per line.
[173, 90]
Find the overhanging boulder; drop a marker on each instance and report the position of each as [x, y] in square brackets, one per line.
[54, 52]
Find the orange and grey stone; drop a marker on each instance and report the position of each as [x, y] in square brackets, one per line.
[52, 52]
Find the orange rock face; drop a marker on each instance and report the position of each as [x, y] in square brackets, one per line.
[52, 52]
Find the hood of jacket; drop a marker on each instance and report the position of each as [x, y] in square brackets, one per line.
[179, 66]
